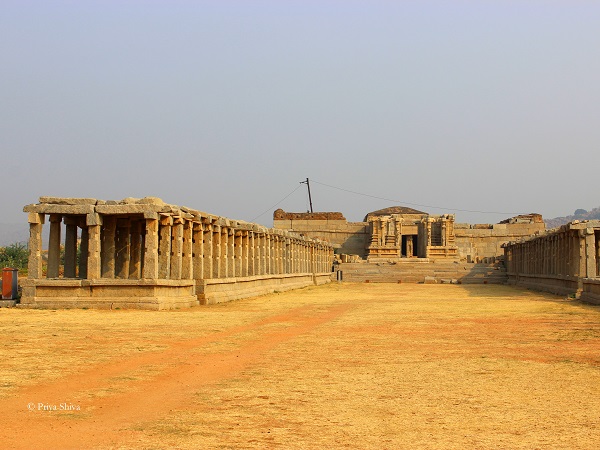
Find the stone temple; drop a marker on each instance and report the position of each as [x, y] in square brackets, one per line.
[398, 233]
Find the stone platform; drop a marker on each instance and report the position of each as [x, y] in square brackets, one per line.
[421, 271]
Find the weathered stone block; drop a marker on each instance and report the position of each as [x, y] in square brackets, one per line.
[93, 219]
[68, 201]
[35, 218]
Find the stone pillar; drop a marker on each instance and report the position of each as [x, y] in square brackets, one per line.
[216, 256]
[54, 246]
[84, 251]
[255, 250]
[444, 230]
[224, 260]
[582, 258]
[123, 248]
[263, 253]
[282, 247]
[231, 266]
[598, 254]
[590, 253]
[382, 230]
[277, 258]
[176, 249]
[295, 256]
[34, 263]
[293, 264]
[252, 254]
[266, 254]
[550, 244]
[70, 268]
[208, 255]
[410, 252]
[107, 253]
[428, 230]
[198, 250]
[94, 264]
[164, 247]
[151, 251]
[318, 258]
[574, 254]
[238, 253]
[186, 252]
[135, 260]
[285, 255]
[245, 254]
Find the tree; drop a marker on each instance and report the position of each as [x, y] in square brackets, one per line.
[15, 255]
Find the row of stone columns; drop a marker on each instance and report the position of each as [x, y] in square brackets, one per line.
[169, 247]
[564, 253]
[226, 252]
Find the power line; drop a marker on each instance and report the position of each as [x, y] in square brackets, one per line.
[416, 204]
[271, 208]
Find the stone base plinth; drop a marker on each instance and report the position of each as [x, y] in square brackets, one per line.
[555, 284]
[217, 290]
[108, 294]
[591, 291]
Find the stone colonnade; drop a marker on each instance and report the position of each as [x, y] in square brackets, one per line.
[559, 260]
[147, 239]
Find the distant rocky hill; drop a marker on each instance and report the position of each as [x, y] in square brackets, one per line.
[579, 214]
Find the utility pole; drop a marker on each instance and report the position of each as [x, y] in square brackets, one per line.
[309, 197]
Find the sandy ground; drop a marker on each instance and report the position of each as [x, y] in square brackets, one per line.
[341, 366]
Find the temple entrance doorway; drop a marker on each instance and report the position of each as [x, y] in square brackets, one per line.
[409, 246]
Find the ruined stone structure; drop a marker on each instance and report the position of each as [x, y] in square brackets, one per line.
[564, 260]
[143, 253]
[400, 233]
[347, 237]
[481, 242]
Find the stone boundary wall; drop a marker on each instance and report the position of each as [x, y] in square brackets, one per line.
[146, 254]
[563, 261]
[349, 238]
[481, 242]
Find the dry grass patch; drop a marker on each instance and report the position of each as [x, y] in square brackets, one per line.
[340, 366]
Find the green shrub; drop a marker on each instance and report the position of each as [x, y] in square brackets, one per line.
[15, 255]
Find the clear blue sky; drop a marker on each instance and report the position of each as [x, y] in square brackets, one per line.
[225, 106]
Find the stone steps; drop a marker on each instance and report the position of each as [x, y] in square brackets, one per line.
[417, 272]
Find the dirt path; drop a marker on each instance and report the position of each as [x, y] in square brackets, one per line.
[108, 421]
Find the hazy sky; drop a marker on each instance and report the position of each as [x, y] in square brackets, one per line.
[225, 106]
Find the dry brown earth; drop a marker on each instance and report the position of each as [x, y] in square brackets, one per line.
[339, 366]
